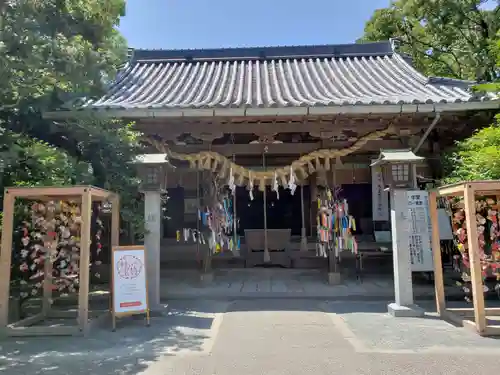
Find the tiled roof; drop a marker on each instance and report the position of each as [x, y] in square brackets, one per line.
[270, 77]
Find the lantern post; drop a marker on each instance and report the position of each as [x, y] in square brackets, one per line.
[398, 169]
[152, 171]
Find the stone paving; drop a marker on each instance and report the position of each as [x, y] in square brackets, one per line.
[282, 283]
[262, 336]
[369, 329]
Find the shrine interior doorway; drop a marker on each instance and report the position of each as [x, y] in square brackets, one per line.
[283, 212]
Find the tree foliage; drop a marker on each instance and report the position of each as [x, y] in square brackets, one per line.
[493, 86]
[477, 157]
[448, 38]
[457, 39]
[53, 48]
[53, 52]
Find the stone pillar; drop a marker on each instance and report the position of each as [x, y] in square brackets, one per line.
[152, 239]
[403, 288]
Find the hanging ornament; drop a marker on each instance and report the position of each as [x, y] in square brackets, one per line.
[230, 183]
[276, 186]
[291, 183]
[250, 186]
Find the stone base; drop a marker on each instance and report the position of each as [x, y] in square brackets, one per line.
[412, 311]
[334, 278]
[207, 278]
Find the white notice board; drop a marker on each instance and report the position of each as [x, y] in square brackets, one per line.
[419, 231]
[130, 291]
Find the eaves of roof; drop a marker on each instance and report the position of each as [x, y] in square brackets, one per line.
[274, 81]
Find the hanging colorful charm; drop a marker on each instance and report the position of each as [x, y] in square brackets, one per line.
[217, 223]
[486, 221]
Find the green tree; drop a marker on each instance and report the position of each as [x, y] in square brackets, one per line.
[53, 49]
[493, 86]
[53, 52]
[449, 38]
[457, 39]
[478, 157]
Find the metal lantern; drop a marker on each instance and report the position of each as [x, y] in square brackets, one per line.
[397, 167]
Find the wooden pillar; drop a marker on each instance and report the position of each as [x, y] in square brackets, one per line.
[115, 220]
[314, 205]
[475, 262]
[5, 258]
[436, 255]
[303, 237]
[198, 207]
[267, 256]
[236, 251]
[85, 241]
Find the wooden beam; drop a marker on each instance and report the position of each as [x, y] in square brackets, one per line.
[28, 321]
[485, 187]
[476, 187]
[57, 193]
[99, 194]
[48, 192]
[491, 331]
[283, 148]
[43, 331]
[453, 189]
[171, 132]
[469, 311]
[413, 122]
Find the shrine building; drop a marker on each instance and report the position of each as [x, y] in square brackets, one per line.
[262, 114]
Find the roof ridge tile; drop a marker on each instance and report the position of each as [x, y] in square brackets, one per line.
[270, 52]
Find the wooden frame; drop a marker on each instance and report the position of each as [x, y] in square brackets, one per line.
[115, 315]
[478, 313]
[85, 195]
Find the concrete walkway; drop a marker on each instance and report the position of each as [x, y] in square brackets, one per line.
[248, 337]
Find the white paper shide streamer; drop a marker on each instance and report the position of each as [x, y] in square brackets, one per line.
[250, 186]
[291, 184]
[276, 186]
[231, 183]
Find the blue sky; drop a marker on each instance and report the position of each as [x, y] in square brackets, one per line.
[230, 23]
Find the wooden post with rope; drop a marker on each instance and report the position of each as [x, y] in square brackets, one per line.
[267, 256]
